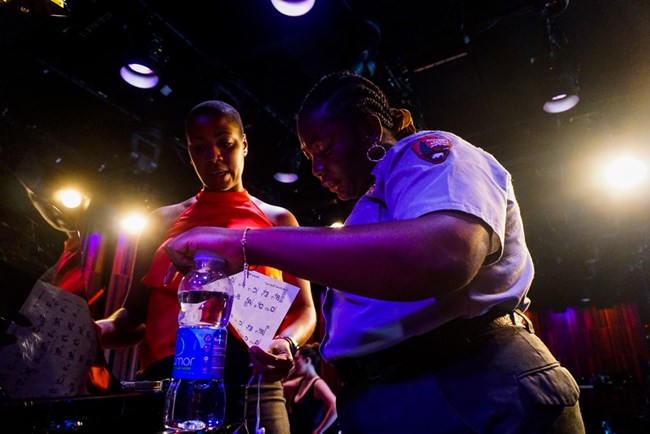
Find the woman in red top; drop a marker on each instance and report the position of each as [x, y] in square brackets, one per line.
[217, 148]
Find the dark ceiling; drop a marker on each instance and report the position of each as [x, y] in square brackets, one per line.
[472, 67]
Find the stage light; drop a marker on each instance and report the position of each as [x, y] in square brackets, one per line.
[133, 223]
[563, 94]
[144, 63]
[285, 177]
[560, 79]
[293, 8]
[625, 172]
[140, 76]
[70, 198]
[561, 103]
[289, 165]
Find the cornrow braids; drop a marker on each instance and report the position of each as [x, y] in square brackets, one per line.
[344, 94]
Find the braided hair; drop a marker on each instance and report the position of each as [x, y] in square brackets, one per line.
[344, 95]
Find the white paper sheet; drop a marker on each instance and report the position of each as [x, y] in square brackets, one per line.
[258, 309]
[52, 357]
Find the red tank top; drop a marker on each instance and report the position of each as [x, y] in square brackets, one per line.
[223, 209]
[68, 274]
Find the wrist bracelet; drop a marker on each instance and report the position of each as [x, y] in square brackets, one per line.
[243, 248]
[293, 345]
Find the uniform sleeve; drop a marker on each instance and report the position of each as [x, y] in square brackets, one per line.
[437, 172]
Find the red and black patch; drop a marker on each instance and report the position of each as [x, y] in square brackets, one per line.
[433, 149]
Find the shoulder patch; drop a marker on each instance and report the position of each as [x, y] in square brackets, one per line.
[433, 149]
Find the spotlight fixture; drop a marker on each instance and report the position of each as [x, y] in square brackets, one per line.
[139, 75]
[561, 103]
[70, 198]
[625, 173]
[561, 76]
[143, 66]
[289, 166]
[563, 94]
[133, 223]
[285, 177]
[293, 8]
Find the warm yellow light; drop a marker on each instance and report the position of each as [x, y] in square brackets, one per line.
[625, 173]
[133, 223]
[336, 225]
[70, 198]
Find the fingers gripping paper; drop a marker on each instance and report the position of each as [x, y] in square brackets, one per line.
[259, 308]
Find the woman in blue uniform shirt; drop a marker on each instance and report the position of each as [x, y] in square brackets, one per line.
[427, 281]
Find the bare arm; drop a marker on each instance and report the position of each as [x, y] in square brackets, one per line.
[323, 392]
[402, 260]
[300, 321]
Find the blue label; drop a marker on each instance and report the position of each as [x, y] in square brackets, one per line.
[200, 353]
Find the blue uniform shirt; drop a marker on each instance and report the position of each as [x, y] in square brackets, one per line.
[426, 172]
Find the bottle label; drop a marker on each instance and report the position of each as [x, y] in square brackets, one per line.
[200, 353]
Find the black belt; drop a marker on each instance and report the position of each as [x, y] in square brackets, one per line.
[455, 336]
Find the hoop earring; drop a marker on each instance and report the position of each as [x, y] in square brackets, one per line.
[376, 153]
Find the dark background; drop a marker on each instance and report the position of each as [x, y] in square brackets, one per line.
[474, 67]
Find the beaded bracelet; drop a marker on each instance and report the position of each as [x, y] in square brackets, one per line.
[243, 248]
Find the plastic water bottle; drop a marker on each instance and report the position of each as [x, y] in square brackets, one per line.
[196, 397]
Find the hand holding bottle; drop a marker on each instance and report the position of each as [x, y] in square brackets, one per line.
[226, 242]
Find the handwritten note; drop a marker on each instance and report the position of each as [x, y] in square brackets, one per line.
[258, 308]
[51, 357]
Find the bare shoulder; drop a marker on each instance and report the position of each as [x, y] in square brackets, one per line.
[169, 213]
[278, 215]
[322, 384]
[161, 218]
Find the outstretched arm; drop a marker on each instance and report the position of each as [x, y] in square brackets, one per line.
[299, 323]
[402, 260]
